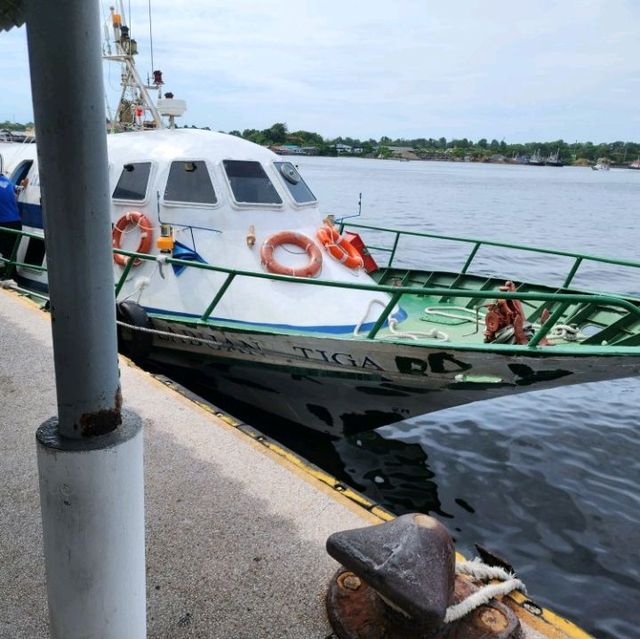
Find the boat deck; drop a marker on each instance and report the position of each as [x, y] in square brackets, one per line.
[459, 320]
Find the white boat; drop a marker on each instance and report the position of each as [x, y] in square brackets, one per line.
[225, 263]
[554, 159]
[602, 165]
[536, 159]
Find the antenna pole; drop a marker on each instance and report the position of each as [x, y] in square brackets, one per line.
[130, 77]
[151, 38]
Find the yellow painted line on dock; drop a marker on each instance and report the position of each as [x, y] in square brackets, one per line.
[551, 625]
[356, 502]
[548, 623]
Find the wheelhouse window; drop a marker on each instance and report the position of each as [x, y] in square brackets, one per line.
[20, 172]
[189, 181]
[249, 183]
[298, 188]
[133, 182]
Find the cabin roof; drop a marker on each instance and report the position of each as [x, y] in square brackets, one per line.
[185, 143]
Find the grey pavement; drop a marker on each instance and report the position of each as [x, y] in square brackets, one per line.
[234, 534]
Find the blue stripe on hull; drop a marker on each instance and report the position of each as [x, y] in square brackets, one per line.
[335, 329]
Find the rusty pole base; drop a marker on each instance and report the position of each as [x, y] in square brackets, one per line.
[357, 612]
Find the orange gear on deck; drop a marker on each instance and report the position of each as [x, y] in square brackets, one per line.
[503, 313]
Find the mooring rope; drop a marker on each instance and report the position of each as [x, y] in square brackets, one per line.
[483, 572]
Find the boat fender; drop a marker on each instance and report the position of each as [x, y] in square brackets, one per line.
[133, 219]
[311, 268]
[133, 343]
[339, 247]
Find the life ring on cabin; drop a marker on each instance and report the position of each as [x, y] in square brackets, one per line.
[339, 247]
[134, 219]
[311, 268]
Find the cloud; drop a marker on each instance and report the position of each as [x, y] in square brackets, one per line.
[410, 68]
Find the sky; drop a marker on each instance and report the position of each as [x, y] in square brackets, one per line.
[533, 70]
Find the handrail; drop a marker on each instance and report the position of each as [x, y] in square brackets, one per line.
[11, 261]
[410, 290]
[520, 247]
[396, 292]
[564, 299]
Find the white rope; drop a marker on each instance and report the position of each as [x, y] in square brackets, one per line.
[155, 331]
[133, 226]
[483, 572]
[358, 326]
[481, 597]
[432, 310]
[477, 569]
[477, 317]
[393, 322]
[558, 331]
[434, 333]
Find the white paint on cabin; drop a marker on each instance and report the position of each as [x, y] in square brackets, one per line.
[218, 233]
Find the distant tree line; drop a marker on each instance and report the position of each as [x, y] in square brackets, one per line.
[440, 148]
[618, 152]
[15, 126]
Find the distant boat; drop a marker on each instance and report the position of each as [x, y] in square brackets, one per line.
[635, 165]
[602, 165]
[536, 159]
[554, 159]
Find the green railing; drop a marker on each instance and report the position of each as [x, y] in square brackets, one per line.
[11, 261]
[396, 292]
[579, 258]
[562, 299]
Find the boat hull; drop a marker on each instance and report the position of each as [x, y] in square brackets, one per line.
[344, 385]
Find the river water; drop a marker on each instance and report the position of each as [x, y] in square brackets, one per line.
[548, 480]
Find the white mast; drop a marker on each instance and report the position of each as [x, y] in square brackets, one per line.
[131, 112]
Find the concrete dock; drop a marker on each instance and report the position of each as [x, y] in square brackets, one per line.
[235, 532]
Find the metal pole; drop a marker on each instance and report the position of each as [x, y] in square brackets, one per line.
[90, 463]
[68, 97]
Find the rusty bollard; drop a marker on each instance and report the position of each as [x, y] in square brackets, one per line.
[397, 580]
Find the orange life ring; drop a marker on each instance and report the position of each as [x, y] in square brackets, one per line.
[311, 268]
[132, 218]
[339, 247]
